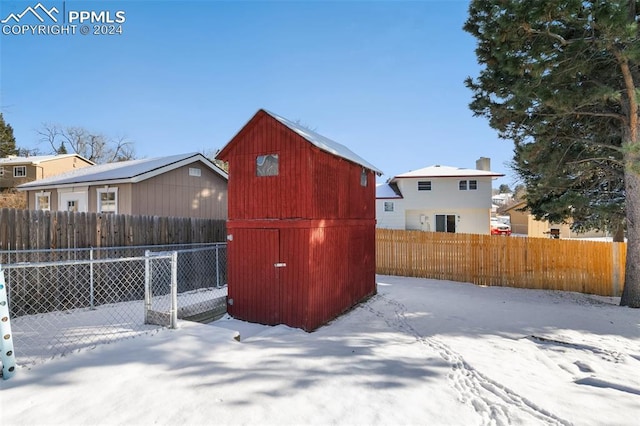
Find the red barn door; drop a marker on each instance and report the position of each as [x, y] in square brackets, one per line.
[254, 287]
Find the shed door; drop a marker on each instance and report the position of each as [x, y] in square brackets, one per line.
[254, 275]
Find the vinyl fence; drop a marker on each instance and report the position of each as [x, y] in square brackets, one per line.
[38, 229]
[64, 300]
[537, 263]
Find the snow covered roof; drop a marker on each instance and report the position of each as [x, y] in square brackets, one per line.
[37, 159]
[122, 172]
[325, 143]
[386, 190]
[446, 171]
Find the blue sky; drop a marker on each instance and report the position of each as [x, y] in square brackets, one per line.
[384, 78]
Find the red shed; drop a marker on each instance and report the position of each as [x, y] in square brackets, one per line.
[301, 227]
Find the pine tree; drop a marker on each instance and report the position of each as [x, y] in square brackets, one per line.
[559, 78]
[7, 140]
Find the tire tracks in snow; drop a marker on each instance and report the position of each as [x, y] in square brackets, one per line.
[491, 400]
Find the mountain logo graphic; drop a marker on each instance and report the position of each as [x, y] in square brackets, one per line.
[38, 11]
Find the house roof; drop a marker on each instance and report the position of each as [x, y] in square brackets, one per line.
[387, 190]
[437, 171]
[37, 159]
[121, 172]
[322, 142]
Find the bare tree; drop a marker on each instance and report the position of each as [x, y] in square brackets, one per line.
[93, 146]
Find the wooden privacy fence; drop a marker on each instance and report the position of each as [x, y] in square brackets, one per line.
[38, 229]
[548, 264]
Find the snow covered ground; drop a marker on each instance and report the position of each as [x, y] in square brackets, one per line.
[420, 352]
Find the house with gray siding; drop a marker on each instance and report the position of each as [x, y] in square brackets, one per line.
[185, 185]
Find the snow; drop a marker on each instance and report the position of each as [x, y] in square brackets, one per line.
[325, 143]
[419, 352]
[447, 171]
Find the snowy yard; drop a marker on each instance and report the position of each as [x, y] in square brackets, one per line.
[420, 352]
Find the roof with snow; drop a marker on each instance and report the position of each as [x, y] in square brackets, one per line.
[387, 190]
[447, 171]
[37, 159]
[131, 171]
[322, 142]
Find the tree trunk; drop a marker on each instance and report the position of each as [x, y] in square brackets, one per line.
[631, 292]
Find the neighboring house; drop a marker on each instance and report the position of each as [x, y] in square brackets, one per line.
[437, 198]
[15, 171]
[186, 185]
[524, 223]
[301, 228]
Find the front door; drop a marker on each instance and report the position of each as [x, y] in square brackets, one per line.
[254, 270]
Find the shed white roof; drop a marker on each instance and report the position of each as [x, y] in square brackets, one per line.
[325, 143]
[122, 172]
[447, 171]
[37, 159]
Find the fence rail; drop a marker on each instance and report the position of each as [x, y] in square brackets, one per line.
[38, 229]
[63, 300]
[537, 263]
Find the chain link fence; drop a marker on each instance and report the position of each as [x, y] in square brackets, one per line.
[61, 301]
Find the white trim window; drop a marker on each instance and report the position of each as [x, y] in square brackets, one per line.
[107, 200]
[19, 171]
[388, 206]
[43, 201]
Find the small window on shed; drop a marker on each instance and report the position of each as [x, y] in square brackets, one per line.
[463, 185]
[473, 184]
[388, 206]
[363, 178]
[267, 165]
[424, 185]
[194, 171]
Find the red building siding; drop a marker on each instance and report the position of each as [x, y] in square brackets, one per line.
[302, 243]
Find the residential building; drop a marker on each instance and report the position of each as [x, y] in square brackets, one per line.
[438, 199]
[186, 185]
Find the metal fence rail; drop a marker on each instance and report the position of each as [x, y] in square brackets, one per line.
[64, 300]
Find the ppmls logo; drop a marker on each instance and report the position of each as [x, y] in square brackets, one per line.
[41, 20]
[33, 11]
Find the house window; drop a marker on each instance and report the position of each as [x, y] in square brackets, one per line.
[267, 165]
[471, 185]
[424, 185]
[43, 201]
[108, 200]
[445, 223]
[19, 171]
[363, 178]
[388, 206]
[194, 171]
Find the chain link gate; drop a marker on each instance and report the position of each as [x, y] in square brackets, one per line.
[60, 302]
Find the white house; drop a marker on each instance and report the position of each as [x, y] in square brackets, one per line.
[437, 198]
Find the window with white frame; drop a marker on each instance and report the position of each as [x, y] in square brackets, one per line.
[468, 184]
[195, 171]
[107, 200]
[19, 171]
[43, 201]
[388, 206]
